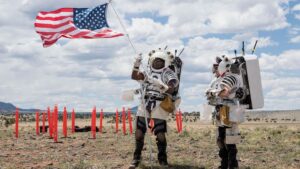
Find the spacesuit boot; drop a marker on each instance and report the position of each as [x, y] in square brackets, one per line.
[232, 161]
[223, 153]
[162, 148]
[139, 144]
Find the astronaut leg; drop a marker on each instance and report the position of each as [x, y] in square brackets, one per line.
[232, 151]
[223, 153]
[160, 128]
[139, 141]
[231, 146]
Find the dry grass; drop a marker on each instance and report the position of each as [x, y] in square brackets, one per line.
[263, 146]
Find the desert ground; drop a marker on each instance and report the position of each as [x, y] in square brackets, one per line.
[264, 145]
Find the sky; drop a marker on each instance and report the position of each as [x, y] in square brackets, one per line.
[82, 73]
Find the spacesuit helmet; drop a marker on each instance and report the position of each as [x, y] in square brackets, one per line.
[160, 59]
[216, 65]
[224, 65]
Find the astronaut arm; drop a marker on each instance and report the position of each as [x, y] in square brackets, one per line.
[224, 93]
[137, 75]
[171, 86]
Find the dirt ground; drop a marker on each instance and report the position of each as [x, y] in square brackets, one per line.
[263, 146]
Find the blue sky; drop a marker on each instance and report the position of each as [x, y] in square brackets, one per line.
[82, 73]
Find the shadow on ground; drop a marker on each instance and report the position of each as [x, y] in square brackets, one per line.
[175, 166]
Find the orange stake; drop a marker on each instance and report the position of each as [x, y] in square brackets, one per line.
[73, 121]
[55, 124]
[151, 124]
[50, 123]
[180, 121]
[124, 120]
[37, 128]
[177, 122]
[17, 123]
[117, 121]
[93, 123]
[101, 119]
[130, 121]
[65, 125]
[44, 119]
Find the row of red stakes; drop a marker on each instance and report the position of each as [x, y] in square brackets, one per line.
[53, 122]
[124, 121]
[179, 121]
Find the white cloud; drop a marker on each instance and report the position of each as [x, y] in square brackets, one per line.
[297, 16]
[83, 73]
[280, 79]
[296, 8]
[214, 16]
[262, 42]
[295, 39]
[293, 31]
[287, 60]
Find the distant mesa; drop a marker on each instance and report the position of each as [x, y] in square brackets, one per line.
[134, 109]
[9, 108]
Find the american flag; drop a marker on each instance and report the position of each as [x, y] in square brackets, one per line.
[86, 23]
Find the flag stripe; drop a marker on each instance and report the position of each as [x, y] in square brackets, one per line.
[53, 18]
[47, 29]
[56, 15]
[54, 22]
[57, 11]
[62, 32]
[43, 25]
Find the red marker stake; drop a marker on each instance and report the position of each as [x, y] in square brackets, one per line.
[101, 118]
[180, 121]
[37, 128]
[17, 123]
[65, 117]
[73, 121]
[151, 124]
[44, 119]
[177, 122]
[55, 120]
[53, 123]
[124, 120]
[130, 121]
[50, 122]
[93, 121]
[117, 121]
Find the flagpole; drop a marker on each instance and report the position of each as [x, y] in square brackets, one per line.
[143, 92]
[123, 27]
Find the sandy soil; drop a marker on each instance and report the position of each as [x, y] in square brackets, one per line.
[263, 146]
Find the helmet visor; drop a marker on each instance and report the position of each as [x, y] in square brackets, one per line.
[158, 63]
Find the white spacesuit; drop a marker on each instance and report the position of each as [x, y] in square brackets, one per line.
[158, 84]
[236, 87]
[224, 93]
[155, 86]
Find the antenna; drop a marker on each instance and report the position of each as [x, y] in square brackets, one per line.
[166, 47]
[243, 48]
[235, 52]
[175, 52]
[181, 52]
[254, 47]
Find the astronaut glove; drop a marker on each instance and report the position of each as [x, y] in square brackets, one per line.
[209, 95]
[138, 61]
[159, 83]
